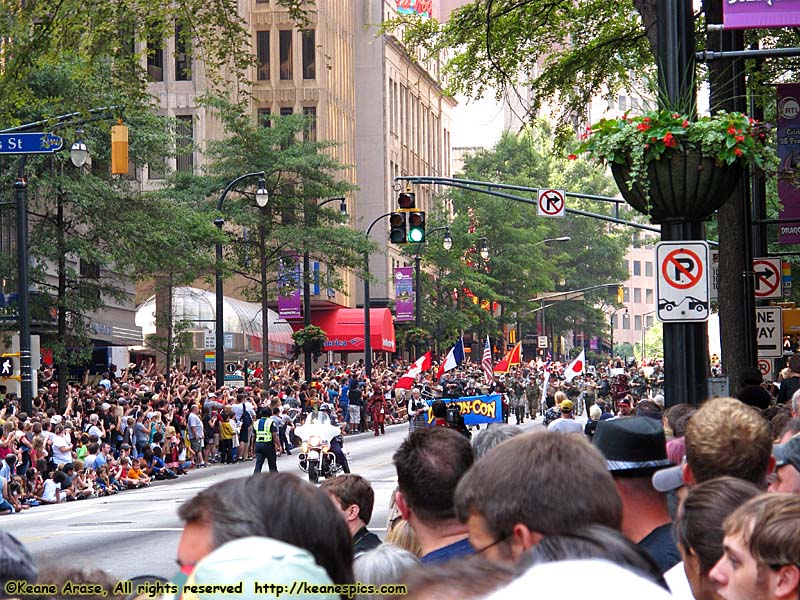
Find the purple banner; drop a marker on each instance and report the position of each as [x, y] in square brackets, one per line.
[289, 288]
[404, 294]
[789, 156]
[593, 343]
[748, 14]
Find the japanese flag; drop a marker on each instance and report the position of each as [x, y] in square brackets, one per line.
[576, 367]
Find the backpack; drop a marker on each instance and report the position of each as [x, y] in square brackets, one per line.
[247, 419]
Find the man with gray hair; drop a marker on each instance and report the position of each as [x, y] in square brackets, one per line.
[494, 435]
[795, 404]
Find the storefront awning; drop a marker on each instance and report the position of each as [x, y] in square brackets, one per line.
[345, 329]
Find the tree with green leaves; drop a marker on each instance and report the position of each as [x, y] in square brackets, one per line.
[521, 264]
[568, 53]
[299, 173]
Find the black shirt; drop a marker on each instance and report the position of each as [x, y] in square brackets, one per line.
[364, 540]
[660, 545]
[788, 388]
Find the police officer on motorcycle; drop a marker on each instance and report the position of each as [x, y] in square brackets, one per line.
[266, 441]
[336, 442]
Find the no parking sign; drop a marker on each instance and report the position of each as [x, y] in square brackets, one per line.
[682, 282]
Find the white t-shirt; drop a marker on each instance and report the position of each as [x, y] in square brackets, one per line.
[565, 426]
[59, 456]
[195, 427]
[95, 430]
[678, 583]
[50, 487]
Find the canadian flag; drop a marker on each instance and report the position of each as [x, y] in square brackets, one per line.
[422, 364]
[575, 368]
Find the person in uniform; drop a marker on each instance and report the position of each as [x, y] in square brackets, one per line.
[266, 436]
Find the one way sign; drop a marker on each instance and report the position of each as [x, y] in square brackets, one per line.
[768, 278]
[769, 331]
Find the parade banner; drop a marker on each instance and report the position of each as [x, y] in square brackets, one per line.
[289, 275]
[404, 294]
[476, 410]
[788, 126]
[750, 14]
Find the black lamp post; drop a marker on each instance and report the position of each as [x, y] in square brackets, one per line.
[367, 341]
[262, 197]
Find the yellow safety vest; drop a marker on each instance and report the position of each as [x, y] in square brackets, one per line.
[263, 434]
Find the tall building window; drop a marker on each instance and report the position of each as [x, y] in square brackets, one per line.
[637, 322]
[285, 53]
[184, 157]
[262, 55]
[310, 128]
[626, 321]
[90, 271]
[264, 117]
[286, 111]
[183, 55]
[308, 41]
[637, 295]
[155, 59]
[648, 269]
[649, 321]
[648, 296]
[626, 294]
[637, 268]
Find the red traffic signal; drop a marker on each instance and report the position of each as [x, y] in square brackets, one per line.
[406, 201]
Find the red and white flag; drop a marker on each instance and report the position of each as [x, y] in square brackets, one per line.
[486, 362]
[576, 367]
[422, 364]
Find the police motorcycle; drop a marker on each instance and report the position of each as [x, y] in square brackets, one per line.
[316, 457]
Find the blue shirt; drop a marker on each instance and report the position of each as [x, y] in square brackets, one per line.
[343, 399]
[448, 553]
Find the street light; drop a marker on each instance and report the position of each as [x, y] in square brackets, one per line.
[219, 362]
[367, 341]
[262, 195]
[447, 243]
[484, 252]
[307, 280]
[79, 153]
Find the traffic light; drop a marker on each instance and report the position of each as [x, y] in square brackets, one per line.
[416, 227]
[119, 149]
[397, 228]
[7, 365]
[406, 201]
[620, 294]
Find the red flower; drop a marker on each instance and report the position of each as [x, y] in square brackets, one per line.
[732, 130]
[646, 119]
[739, 138]
[685, 124]
[737, 151]
[669, 140]
[675, 115]
[643, 127]
[572, 157]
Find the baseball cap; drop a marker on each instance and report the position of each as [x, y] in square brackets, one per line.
[788, 453]
[15, 562]
[669, 479]
[566, 406]
[253, 560]
[105, 406]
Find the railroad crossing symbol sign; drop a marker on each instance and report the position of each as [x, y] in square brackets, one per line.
[768, 278]
[551, 203]
[769, 331]
[765, 366]
[682, 283]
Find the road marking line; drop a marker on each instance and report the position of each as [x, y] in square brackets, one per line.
[77, 515]
[116, 530]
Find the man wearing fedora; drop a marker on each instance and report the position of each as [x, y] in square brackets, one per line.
[634, 449]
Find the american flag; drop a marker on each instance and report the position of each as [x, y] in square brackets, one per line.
[486, 362]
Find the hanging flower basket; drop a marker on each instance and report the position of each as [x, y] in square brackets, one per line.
[672, 168]
[310, 339]
[686, 186]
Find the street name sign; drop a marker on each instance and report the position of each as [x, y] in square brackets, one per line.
[30, 143]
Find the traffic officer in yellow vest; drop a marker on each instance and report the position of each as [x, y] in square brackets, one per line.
[266, 433]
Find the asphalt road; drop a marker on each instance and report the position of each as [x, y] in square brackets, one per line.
[136, 532]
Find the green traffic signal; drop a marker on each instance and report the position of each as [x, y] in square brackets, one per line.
[416, 227]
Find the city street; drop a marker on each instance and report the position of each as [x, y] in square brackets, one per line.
[137, 532]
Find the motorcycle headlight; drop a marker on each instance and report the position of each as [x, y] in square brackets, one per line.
[304, 447]
[326, 449]
[314, 440]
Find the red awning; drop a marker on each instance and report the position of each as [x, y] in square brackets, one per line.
[345, 329]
